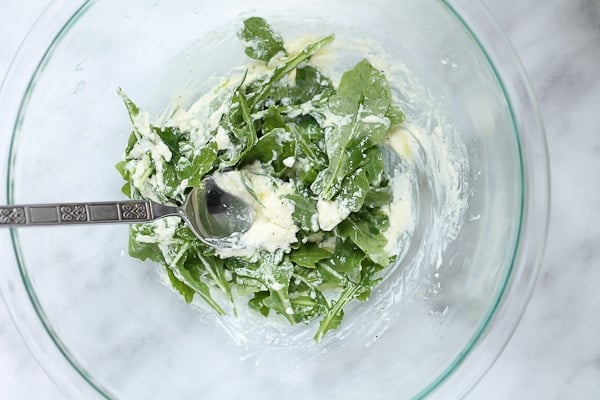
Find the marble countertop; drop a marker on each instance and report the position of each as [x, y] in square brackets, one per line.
[555, 351]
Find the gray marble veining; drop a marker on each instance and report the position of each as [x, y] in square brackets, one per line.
[555, 352]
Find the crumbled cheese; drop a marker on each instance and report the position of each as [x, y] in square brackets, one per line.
[400, 140]
[375, 119]
[399, 211]
[273, 227]
[222, 139]
[289, 162]
[332, 119]
[277, 59]
[141, 123]
[163, 232]
[331, 213]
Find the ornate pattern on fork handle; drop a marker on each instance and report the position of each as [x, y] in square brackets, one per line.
[73, 213]
[76, 213]
[12, 215]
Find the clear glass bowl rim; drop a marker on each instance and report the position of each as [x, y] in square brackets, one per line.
[487, 343]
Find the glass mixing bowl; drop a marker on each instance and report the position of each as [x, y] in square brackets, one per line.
[104, 326]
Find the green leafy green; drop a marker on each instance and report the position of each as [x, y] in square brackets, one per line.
[201, 164]
[366, 229]
[288, 67]
[359, 122]
[183, 289]
[309, 255]
[262, 43]
[305, 210]
[292, 125]
[141, 249]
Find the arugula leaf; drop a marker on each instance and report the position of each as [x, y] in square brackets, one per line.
[332, 320]
[308, 255]
[273, 120]
[361, 290]
[347, 260]
[240, 126]
[311, 85]
[257, 303]
[378, 197]
[369, 279]
[355, 188]
[395, 114]
[373, 166]
[191, 277]
[121, 166]
[183, 289]
[274, 273]
[170, 137]
[131, 142]
[263, 43]
[309, 277]
[272, 148]
[200, 165]
[305, 212]
[307, 307]
[288, 67]
[245, 283]
[358, 122]
[143, 250]
[308, 135]
[216, 272]
[171, 180]
[365, 229]
[132, 109]
[126, 190]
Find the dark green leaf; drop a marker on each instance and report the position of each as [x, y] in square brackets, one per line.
[311, 84]
[378, 197]
[272, 148]
[308, 255]
[190, 276]
[360, 106]
[132, 109]
[240, 126]
[273, 119]
[170, 137]
[365, 230]
[288, 67]
[346, 260]
[262, 43]
[200, 165]
[131, 142]
[331, 320]
[308, 135]
[355, 188]
[373, 166]
[361, 291]
[257, 303]
[183, 289]
[305, 212]
[143, 250]
[395, 115]
[368, 279]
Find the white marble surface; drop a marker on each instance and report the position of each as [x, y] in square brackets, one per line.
[555, 352]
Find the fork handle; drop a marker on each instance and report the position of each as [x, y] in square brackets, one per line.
[128, 211]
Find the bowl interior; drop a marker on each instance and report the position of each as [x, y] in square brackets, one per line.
[129, 336]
